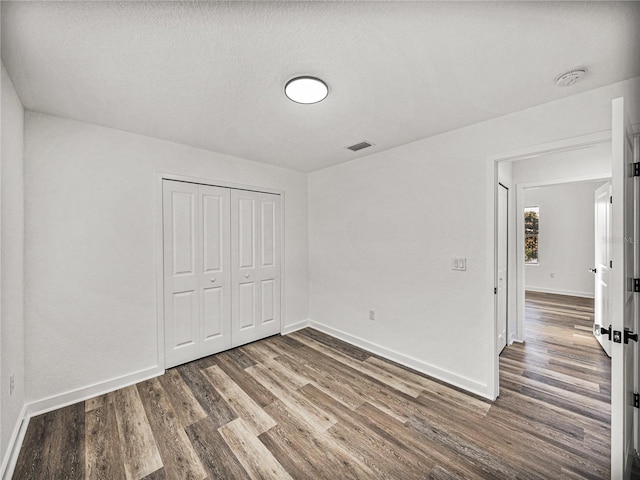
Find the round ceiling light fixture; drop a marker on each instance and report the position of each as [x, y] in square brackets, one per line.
[306, 90]
[569, 78]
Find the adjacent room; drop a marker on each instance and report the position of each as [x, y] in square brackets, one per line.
[318, 240]
[556, 218]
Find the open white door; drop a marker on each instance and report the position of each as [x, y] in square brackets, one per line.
[623, 315]
[602, 269]
[503, 215]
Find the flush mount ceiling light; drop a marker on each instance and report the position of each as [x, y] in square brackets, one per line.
[306, 90]
[569, 78]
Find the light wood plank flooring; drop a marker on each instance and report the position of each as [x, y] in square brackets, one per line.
[308, 406]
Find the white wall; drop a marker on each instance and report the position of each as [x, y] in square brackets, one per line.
[383, 229]
[566, 239]
[91, 204]
[592, 161]
[11, 263]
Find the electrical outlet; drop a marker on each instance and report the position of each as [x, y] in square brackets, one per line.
[12, 383]
[372, 315]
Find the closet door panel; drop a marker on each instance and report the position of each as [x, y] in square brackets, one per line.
[182, 306]
[246, 240]
[246, 306]
[185, 308]
[268, 232]
[215, 277]
[244, 252]
[268, 297]
[213, 302]
[269, 262]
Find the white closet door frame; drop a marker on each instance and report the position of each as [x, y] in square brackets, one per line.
[160, 310]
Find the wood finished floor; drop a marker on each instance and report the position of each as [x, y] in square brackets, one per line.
[308, 406]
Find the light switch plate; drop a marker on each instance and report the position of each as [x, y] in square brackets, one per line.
[459, 263]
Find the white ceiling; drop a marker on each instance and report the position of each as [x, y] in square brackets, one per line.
[212, 75]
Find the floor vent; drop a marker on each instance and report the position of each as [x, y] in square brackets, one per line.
[359, 146]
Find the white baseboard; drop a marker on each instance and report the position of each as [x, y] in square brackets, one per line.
[571, 293]
[15, 441]
[84, 393]
[38, 407]
[295, 327]
[451, 378]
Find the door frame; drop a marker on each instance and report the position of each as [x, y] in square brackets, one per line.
[493, 161]
[159, 178]
[605, 190]
[507, 245]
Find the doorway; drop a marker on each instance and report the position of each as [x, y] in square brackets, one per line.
[503, 265]
[624, 258]
[552, 356]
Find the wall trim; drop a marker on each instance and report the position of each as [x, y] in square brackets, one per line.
[513, 339]
[15, 442]
[451, 378]
[294, 327]
[70, 397]
[557, 146]
[557, 291]
[38, 407]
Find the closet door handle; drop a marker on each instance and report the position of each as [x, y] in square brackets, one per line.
[246, 275]
[213, 280]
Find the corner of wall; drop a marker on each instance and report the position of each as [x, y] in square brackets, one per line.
[12, 365]
[286, 330]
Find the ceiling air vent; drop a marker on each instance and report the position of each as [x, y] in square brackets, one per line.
[359, 146]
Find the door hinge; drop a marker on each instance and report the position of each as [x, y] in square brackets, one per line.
[636, 169]
[636, 400]
[495, 290]
[611, 199]
[610, 263]
[636, 284]
[629, 335]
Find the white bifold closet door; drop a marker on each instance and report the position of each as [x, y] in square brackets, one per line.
[197, 273]
[255, 270]
[221, 268]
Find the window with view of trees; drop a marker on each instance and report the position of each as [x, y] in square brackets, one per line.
[531, 221]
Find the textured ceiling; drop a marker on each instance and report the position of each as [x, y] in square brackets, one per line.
[212, 75]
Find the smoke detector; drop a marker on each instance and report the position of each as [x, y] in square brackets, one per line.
[569, 78]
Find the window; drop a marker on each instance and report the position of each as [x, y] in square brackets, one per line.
[531, 220]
